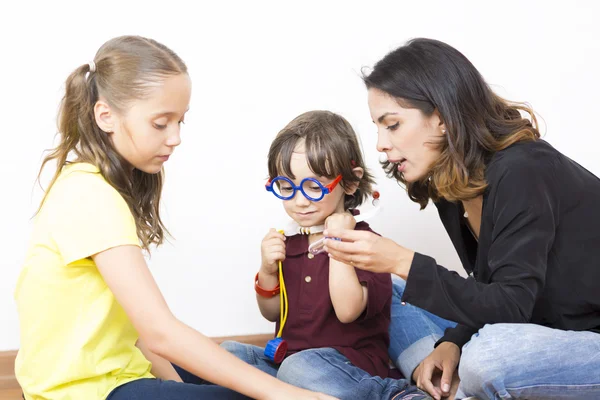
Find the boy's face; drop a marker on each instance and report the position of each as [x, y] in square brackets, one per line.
[305, 212]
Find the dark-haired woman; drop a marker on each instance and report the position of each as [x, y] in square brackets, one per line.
[523, 218]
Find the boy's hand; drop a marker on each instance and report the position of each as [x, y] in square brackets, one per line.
[340, 221]
[272, 250]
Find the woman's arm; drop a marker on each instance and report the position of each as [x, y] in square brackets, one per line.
[524, 222]
[128, 277]
[522, 209]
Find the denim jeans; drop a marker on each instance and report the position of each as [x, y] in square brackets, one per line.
[502, 361]
[193, 388]
[327, 371]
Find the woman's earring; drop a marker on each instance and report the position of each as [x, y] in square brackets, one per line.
[443, 131]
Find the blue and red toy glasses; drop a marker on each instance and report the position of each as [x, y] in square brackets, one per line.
[284, 189]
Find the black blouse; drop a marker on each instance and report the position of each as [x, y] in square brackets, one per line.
[538, 255]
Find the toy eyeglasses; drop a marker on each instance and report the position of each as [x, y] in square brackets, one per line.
[284, 189]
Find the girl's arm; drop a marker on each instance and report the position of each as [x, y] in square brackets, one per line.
[161, 368]
[128, 277]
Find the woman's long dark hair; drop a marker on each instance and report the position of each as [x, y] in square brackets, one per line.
[430, 75]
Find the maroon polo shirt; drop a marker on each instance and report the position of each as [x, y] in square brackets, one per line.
[311, 321]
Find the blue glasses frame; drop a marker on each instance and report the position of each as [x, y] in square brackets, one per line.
[324, 189]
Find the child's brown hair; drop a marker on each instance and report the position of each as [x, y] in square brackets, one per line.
[332, 149]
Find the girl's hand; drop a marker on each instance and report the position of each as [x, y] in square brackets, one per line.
[272, 250]
[368, 251]
[444, 358]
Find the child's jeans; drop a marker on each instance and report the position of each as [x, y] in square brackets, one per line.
[327, 371]
[502, 361]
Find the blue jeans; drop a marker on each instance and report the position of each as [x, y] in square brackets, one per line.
[502, 361]
[327, 371]
[194, 388]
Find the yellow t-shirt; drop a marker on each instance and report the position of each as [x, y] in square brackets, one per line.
[76, 340]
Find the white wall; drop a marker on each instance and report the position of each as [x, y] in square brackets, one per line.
[254, 67]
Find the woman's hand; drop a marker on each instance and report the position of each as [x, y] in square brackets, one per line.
[368, 251]
[444, 358]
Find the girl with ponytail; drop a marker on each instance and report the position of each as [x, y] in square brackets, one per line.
[93, 323]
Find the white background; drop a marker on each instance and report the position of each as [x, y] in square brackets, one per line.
[255, 66]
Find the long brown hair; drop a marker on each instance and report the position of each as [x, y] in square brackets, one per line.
[332, 148]
[123, 70]
[430, 75]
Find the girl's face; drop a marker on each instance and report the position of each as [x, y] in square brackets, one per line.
[148, 133]
[406, 135]
[305, 212]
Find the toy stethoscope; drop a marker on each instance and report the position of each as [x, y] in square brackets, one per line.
[276, 348]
